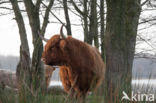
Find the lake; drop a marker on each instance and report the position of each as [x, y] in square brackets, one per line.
[139, 85]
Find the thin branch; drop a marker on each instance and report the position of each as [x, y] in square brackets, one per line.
[147, 21]
[54, 15]
[8, 2]
[46, 16]
[148, 10]
[6, 8]
[57, 18]
[76, 8]
[147, 57]
[147, 27]
[4, 2]
[146, 42]
[3, 14]
[70, 9]
[74, 12]
[71, 24]
[145, 2]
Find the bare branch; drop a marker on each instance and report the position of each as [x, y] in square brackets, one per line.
[148, 9]
[146, 42]
[3, 14]
[70, 9]
[71, 24]
[4, 2]
[144, 56]
[54, 15]
[46, 16]
[153, 24]
[6, 8]
[10, 9]
[76, 8]
[147, 20]
[145, 2]
[74, 12]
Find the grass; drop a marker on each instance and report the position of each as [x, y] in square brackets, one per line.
[8, 96]
[57, 96]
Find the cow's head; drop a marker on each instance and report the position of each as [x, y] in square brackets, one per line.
[54, 53]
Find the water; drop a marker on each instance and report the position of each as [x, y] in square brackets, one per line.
[139, 85]
[144, 81]
[55, 83]
[144, 85]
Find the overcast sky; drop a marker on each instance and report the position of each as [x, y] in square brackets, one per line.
[9, 34]
[10, 41]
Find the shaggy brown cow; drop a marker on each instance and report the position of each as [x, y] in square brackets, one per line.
[81, 66]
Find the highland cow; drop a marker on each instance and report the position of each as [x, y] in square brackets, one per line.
[81, 66]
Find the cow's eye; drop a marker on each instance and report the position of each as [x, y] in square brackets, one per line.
[52, 47]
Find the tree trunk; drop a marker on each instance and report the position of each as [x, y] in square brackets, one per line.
[102, 29]
[85, 19]
[93, 26]
[23, 73]
[23, 68]
[68, 25]
[20, 23]
[121, 30]
[36, 67]
[30, 74]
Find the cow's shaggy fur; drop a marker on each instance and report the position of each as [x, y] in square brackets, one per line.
[81, 66]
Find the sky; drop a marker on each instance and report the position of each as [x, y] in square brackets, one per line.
[10, 41]
[9, 34]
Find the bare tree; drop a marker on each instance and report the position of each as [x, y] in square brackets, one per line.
[68, 25]
[121, 30]
[30, 71]
[89, 17]
[93, 26]
[102, 28]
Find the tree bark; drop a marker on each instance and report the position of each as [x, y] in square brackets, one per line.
[85, 18]
[68, 25]
[31, 73]
[102, 29]
[23, 68]
[121, 30]
[36, 68]
[20, 23]
[93, 26]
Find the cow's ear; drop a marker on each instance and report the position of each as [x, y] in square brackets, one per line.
[62, 44]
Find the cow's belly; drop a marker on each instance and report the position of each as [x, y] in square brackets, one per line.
[81, 82]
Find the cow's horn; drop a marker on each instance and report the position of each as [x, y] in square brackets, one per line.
[61, 32]
[44, 39]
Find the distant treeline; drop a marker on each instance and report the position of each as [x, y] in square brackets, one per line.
[8, 62]
[143, 67]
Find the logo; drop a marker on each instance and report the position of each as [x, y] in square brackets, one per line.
[137, 97]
